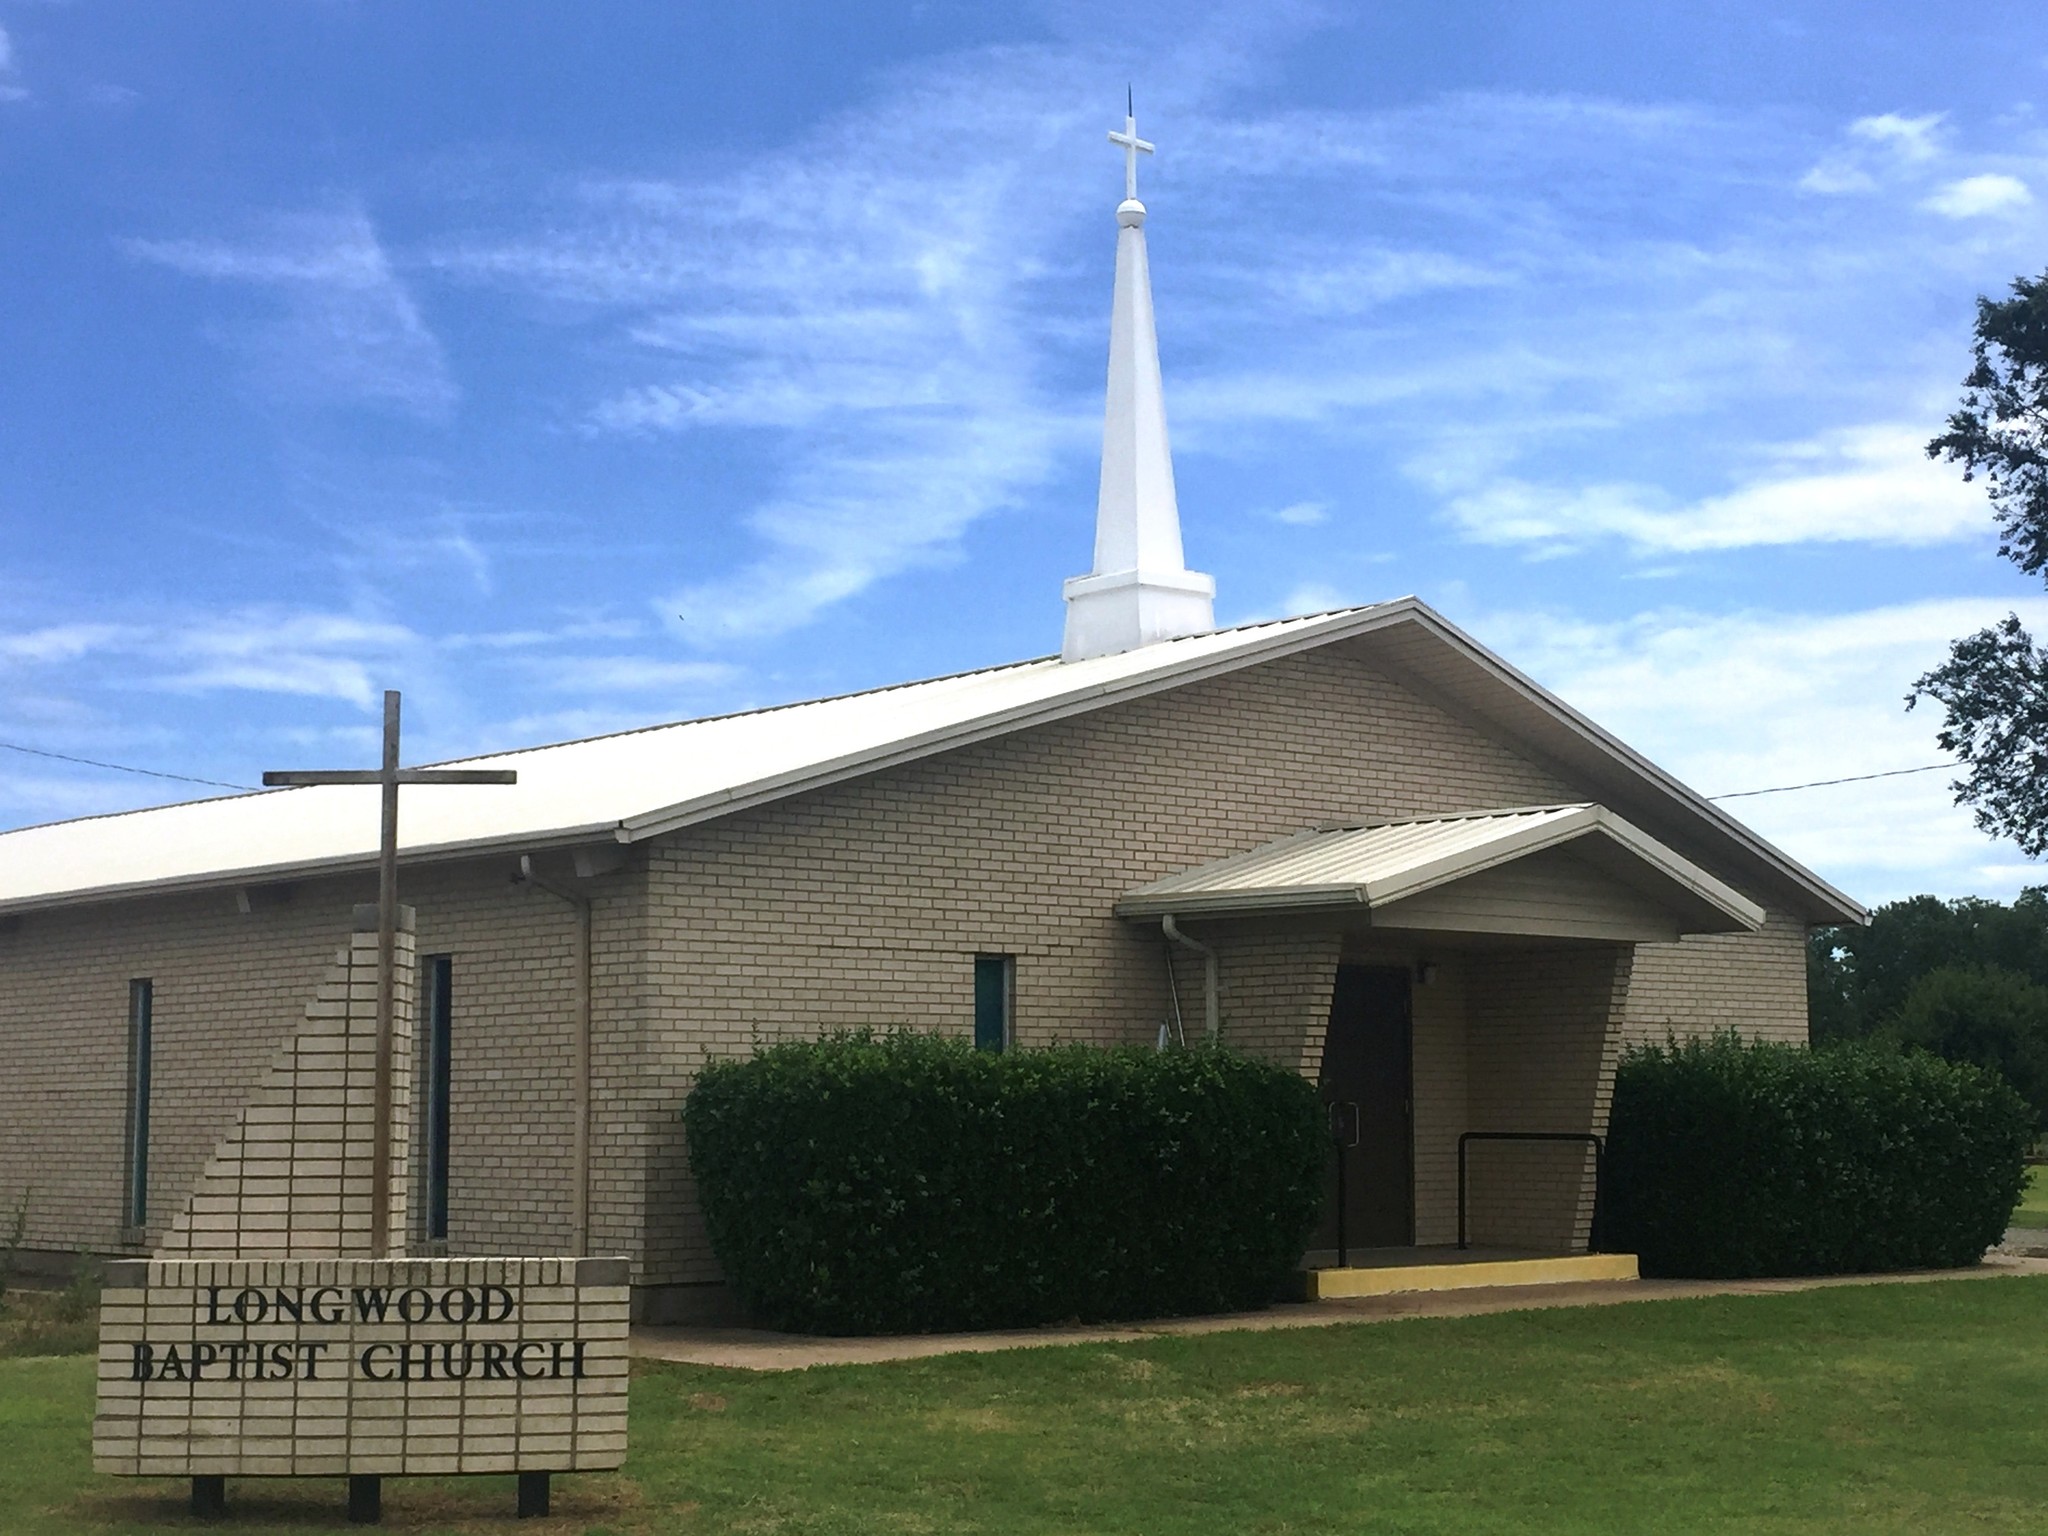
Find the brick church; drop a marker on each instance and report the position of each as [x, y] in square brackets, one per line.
[1358, 843]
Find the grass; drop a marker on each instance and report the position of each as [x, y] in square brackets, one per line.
[2033, 1207]
[1897, 1408]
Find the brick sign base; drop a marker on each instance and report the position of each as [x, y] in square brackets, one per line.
[361, 1367]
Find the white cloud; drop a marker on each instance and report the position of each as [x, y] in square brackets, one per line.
[347, 329]
[1884, 145]
[1361, 281]
[1913, 139]
[1302, 514]
[631, 675]
[1975, 196]
[1870, 485]
[864, 513]
[531, 639]
[57, 642]
[252, 650]
[1310, 597]
[873, 310]
[1754, 700]
[1835, 176]
[315, 655]
[32, 796]
[11, 88]
[373, 551]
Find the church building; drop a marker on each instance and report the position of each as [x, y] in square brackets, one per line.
[1358, 843]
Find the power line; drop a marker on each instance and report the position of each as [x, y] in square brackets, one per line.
[1854, 778]
[186, 778]
[90, 762]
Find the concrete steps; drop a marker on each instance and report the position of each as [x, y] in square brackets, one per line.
[1454, 1273]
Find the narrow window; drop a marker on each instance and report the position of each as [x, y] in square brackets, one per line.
[439, 996]
[135, 1202]
[995, 998]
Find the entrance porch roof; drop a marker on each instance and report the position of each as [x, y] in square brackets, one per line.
[1559, 870]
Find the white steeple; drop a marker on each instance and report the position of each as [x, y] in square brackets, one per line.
[1140, 590]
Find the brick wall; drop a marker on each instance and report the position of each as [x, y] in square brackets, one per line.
[231, 987]
[1274, 986]
[1543, 1027]
[1753, 983]
[296, 1173]
[1441, 1050]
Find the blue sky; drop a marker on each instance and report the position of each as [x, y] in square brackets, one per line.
[576, 367]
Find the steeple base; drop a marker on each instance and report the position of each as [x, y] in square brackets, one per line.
[1126, 609]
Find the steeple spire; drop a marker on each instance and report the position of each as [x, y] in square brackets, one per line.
[1140, 590]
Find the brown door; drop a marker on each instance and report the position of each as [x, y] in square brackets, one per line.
[1366, 1063]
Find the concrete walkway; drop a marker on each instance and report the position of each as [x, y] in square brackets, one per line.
[750, 1349]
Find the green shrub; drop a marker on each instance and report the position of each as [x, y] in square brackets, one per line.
[1729, 1160]
[908, 1183]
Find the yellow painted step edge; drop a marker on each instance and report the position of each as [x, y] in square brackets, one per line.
[1328, 1284]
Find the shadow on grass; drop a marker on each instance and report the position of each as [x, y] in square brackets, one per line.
[584, 1504]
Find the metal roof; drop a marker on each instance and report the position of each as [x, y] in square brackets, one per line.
[621, 787]
[1370, 867]
[639, 784]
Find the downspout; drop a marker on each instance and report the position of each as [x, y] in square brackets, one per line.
[580, 1064]
[1180, 1033]
[1210, 1015]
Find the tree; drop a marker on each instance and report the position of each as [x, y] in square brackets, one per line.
[1859, 976]
[1988, 1017]
[1966, 980]
[1994, 686]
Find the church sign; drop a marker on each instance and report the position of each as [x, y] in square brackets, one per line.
[280, 1330]
[364, 1367]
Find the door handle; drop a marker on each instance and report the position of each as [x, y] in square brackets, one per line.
[1344, 1122]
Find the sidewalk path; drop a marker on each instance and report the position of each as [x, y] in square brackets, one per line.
[750, 1349]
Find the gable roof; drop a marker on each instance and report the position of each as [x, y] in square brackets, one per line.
[640, 784]
[1370, 867]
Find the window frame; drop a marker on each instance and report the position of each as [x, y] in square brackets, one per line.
[135, 1131]
[437, 1051]
[995, 975]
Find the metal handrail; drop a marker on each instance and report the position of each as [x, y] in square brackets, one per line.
[1599, 1153]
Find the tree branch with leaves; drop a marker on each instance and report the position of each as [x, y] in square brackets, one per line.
[1994, 686]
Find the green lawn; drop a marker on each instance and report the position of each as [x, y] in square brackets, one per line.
[2033, 1211]
[1919, 1408]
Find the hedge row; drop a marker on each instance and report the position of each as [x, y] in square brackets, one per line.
[907, 1183]
[1726, 1160]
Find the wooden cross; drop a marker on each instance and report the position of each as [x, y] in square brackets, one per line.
[389, 777]
[1133, 146]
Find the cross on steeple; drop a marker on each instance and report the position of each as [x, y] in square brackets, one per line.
[1133, 146]
[388, 777]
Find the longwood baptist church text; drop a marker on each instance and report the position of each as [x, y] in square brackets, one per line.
[271, 1358]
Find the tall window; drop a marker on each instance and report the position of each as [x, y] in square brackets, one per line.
[438, 988]
[135, 1198]
[995, 998]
